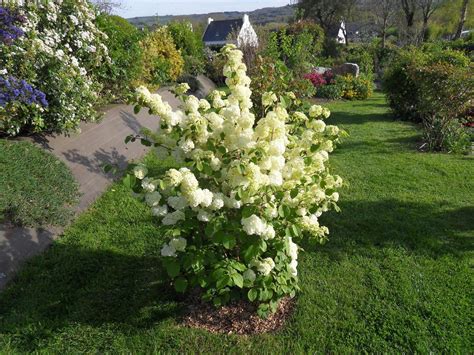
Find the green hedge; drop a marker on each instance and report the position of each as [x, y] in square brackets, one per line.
[124, 69]
[433, 87]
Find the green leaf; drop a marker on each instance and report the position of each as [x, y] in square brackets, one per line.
[238, 280]
[218, 274]
[199, 165]
[172, 268]
[128, 139]
[137, 109]
[251, 252]
[223, 281]
[265, 295]
[279, 195]
[217, 301]
[180, 284]
[273, 306]
[130, 181]
[227, 240]
[281, 211]
[237, 195]
[295, 230]
[209, 230]
[252, 294]
[162, 185]
[238, 266]
[294, 193]
[207, 169]
[145, 142]
[247, 211]
[221, 150]
[263, 310]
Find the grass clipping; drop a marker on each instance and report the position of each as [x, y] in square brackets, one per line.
[238, 317]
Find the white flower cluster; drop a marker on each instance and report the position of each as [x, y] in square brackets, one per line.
[293, 254]
[273, 166]
[175, 244]
[264, 266]
[62, 47]
[70, 35]
[255, 225]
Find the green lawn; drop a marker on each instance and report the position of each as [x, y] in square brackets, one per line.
[36, 188]
[394, 277]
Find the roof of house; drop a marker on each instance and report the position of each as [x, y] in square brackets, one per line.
[218, 31]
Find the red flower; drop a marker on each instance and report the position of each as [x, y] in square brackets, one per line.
[316, 78]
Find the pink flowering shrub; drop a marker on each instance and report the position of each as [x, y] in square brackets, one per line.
[316, 79]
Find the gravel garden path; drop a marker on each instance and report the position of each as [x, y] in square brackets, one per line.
[84, 154]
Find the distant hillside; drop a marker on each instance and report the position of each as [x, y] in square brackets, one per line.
[260, 16]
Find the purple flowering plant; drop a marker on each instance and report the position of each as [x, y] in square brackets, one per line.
[21, 106]
[15, 90]
[9, 25]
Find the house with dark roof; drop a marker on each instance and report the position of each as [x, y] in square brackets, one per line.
[238, 31]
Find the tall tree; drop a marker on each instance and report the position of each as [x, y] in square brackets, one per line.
[462, 19]
[384, 11]
[427, 7]
[409, 9]
[327, 13]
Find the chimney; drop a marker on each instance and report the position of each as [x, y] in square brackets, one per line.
[246, 18]
[209, 20]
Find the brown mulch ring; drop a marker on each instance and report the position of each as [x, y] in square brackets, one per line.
[235, 318]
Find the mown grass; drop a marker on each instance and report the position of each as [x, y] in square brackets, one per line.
[37, 189]
[394, 277]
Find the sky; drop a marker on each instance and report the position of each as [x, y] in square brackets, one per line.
[135, 8]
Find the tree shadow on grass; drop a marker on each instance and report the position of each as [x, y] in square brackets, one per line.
[69, 285]
[380, 145]
[423, 229]
[344, 117]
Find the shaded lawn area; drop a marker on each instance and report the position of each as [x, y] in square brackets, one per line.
[36, 188]
[395, 275]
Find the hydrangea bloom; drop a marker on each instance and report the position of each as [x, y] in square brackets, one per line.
[245, 189]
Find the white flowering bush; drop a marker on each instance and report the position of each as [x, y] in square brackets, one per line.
[58, 52]
[242, 193]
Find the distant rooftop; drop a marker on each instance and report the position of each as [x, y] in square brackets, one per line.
[218, 31]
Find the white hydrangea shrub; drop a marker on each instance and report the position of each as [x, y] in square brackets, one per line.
[243, 191]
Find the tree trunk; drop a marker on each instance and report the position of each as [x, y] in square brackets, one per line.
[384, 33]
[409, 12]
[462, 19]
[424, 31]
